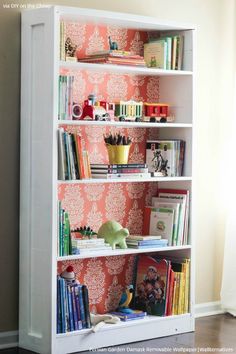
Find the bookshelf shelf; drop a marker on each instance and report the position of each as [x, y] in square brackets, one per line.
[94, 198]
[127, 180]
[124, 124]
[118, 252]
[123, 69]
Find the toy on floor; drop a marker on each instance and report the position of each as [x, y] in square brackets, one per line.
[125, 300]
[98, 321]
[114, 234]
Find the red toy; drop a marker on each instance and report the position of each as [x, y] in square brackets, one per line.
[101, 110]
[157, 112]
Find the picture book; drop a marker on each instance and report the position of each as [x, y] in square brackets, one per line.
[159, 221]
[155, 54]
[135, 315]
[151, 285]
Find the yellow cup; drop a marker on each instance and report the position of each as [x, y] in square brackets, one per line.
[118, 154]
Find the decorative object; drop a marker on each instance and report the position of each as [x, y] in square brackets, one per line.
[114, 234]
[84, 232]
[70, 49]
[113, 45]
[125, 300]
[118, 147]
[77, 111]
[98, 321]
[68, 274]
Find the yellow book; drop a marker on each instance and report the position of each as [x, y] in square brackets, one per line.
[187, 287]
[176, 293]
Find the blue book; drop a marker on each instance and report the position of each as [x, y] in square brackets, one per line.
[86, 306]
[149, 242]
[59, 330]
[75, 316]
[62, 304]
[77, 301]
[71, 320]
[82, 309]
[149, 246]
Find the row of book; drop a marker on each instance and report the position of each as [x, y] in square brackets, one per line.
[168, 216]
[162, 285]
[64, 234]
[119, 57]
[165, 158]
[107, 171]
[65, 97]
[165, 52]
[141, 242]
[73, 160]
[72, 306]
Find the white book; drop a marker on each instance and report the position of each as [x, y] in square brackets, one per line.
[162, 222]
[121, 175]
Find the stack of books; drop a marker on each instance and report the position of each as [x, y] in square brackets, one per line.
[119, 57]
[65, 97]
[135, 315]
[162, 285]
[165, 158]
[140, 242]
[168, 216]
[72, 306]
[111, 171]
[80, 246]
[73, 160]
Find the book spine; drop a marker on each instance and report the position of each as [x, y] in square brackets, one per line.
[82, 309]
[59, 324]
[62, 305]
[75, 315]
[71, 322]
[77, 301]
[86, 306]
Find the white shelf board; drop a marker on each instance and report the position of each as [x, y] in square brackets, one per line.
[123, 324]
[123, 69]
[126, 180]
[124, 124]
[119, 252]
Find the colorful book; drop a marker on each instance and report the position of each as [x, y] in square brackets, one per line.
[155, 54]
[151, 285]
[135, 315]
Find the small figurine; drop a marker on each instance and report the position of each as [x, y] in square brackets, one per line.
[125, 300]
[114, 234]
[86, 231]
[98, 321]
[113, 45]
[68, 274]
[70, 48]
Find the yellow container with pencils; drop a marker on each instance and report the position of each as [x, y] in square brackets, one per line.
[118, 154]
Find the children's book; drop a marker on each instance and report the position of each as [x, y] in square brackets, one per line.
[159, 221]
[151, 285]
[135, 315]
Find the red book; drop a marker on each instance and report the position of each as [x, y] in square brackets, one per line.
[79, 156]
[170, 292]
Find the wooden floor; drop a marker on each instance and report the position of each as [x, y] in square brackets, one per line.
[211, 332]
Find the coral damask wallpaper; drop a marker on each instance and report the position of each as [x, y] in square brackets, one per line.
[93, 204]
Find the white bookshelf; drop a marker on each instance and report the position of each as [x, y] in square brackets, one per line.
[38, 205]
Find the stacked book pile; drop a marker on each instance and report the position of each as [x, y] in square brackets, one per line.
[165, 158]
[72, 306]
[111, 171]
[119, 57]
[135, 315]
[80, 246]
[65, 97]
[162, 285]
[140, 242]
[73, 160]
[168, 216]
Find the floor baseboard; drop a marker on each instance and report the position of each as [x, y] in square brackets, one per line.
[8, 339]
[208, 309]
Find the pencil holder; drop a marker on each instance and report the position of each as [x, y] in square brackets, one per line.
[118, 154]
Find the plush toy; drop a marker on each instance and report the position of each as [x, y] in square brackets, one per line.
[114, 234]
[68, 274]
[125, 300]
[98, 321]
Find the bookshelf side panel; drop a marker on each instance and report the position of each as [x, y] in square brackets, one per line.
[37, 173]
